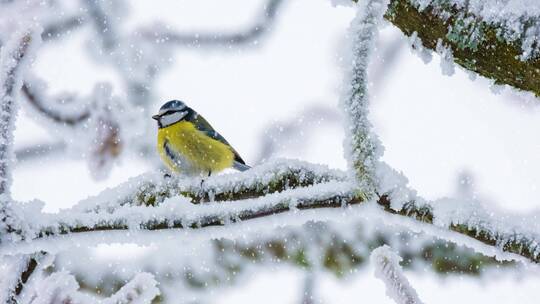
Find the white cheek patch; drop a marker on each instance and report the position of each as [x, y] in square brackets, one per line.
[169, 119]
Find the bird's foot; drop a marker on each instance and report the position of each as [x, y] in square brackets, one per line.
[202, 194]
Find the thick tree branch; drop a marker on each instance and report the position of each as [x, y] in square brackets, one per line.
[478, 224]
[180, 213]
[271, 177]
[476, 45]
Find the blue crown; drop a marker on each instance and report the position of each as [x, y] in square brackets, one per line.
[176, 105]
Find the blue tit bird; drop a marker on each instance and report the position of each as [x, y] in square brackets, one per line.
[188, 144]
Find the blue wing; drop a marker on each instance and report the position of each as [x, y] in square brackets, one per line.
[204, 126]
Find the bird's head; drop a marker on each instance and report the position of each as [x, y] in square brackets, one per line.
[171, 112]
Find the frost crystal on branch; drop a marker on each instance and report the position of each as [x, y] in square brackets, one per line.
[362, 147]
[447, 59]
[387, 268]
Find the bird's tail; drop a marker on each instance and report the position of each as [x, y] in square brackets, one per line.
[240, 167]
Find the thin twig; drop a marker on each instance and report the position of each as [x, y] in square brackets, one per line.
[57, 29]
[33, 99]
[253, 33]
[38, 150]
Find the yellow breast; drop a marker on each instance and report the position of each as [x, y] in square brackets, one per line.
[198, 153]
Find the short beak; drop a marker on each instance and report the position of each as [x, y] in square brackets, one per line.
[156, 117]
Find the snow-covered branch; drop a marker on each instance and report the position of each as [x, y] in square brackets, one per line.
[271, 177]
[387, 269]
[179, 212]
[62, 287]
[145, 202]
[15, 271]
[340, 247]
[509, 233]
[363, 149]
[14, 57]
[496, 39]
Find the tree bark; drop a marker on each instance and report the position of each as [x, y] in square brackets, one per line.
[488, 54]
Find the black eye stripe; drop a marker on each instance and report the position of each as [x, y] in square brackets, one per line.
[171, 112]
